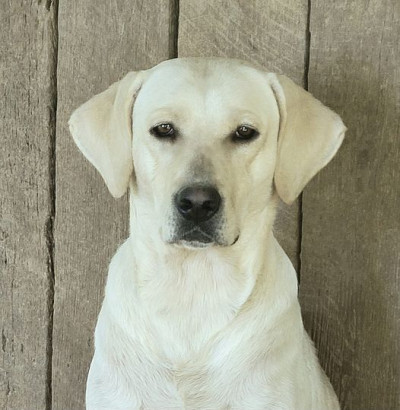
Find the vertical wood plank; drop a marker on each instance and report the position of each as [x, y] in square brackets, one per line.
[99, 43]
[269, 33]
[351, 215]
[27, 106]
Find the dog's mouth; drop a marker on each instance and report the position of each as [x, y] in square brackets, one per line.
[196, 238]
[235, 240]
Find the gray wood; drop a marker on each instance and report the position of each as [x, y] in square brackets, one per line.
[351, 214]
[99, 42]
[269, 33]
[27, 89]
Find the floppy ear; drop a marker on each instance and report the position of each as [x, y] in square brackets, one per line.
[102, 129]
[309, 136]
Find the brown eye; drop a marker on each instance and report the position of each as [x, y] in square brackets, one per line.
[244, 133]
[163, 131]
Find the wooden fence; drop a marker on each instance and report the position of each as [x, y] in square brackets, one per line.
[60, 227]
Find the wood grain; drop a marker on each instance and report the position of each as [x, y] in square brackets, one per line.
[99, 43]
[271, 34]
[27, 89]
[351, 214]
[350, 263]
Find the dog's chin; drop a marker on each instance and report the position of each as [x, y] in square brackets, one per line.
[194, 245]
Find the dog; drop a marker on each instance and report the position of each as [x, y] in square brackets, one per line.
[200, 307]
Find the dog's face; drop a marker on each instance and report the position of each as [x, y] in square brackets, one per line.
[204, 150]
[206, 141]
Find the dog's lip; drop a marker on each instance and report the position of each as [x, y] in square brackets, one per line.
[204, 241]
[204, 237]
[236, 239]
[200, 244]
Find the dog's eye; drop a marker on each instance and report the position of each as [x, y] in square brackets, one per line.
[163, 131]
[244, 133]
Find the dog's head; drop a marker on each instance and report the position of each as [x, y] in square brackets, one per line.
[206, 142]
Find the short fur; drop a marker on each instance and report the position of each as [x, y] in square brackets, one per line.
[217, 324]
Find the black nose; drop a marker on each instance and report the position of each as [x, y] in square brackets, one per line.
[198, 203]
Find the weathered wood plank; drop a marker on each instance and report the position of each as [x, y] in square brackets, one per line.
[271, 34]
[351, 215]
[99, 43]
[27, 106]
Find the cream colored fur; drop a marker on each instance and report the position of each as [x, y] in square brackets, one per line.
[217, 326]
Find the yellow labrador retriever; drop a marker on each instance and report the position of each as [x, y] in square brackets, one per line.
[201, 308]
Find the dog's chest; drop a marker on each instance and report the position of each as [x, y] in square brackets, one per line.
[189, 304]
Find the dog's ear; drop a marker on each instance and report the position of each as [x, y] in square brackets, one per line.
[102, 129]
[309, 136]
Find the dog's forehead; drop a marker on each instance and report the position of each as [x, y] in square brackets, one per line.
[218, 84]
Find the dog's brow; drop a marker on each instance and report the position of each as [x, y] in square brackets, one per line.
[248, 118]
[163, 114]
